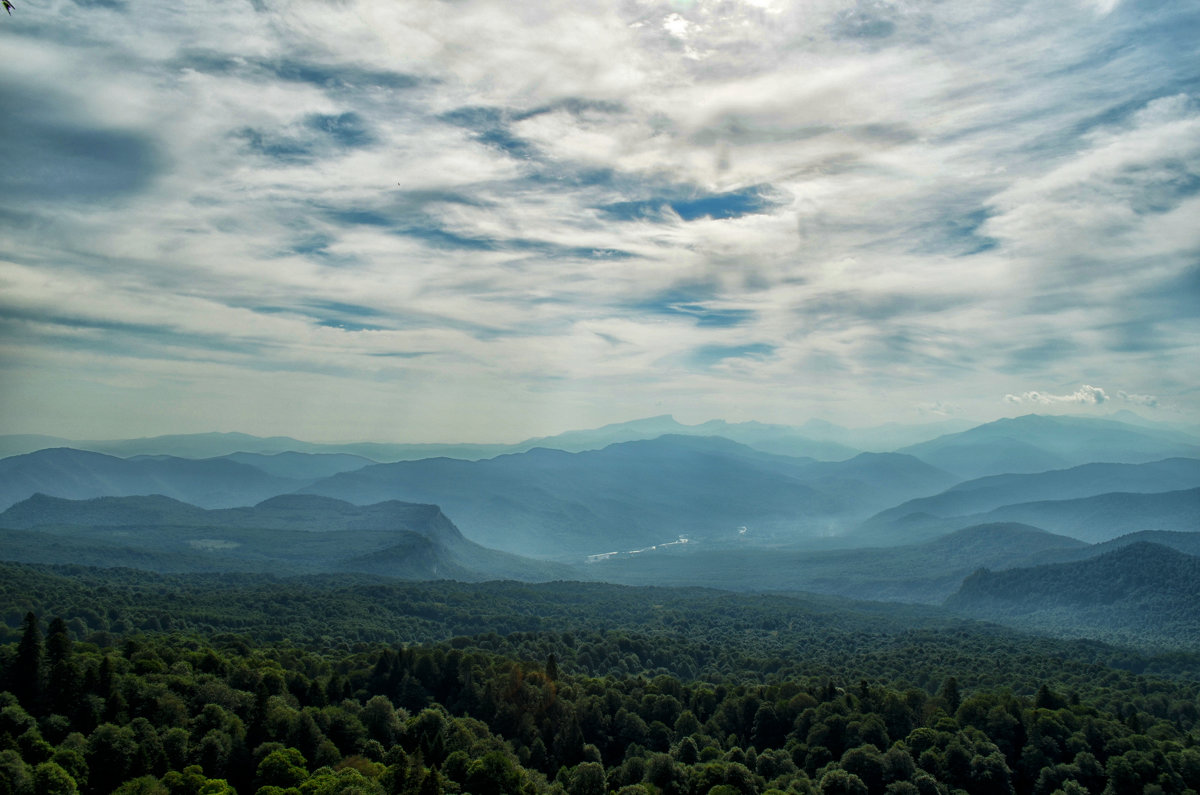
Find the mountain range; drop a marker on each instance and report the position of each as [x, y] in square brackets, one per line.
[81, 474]
[739, 506]
[551, 503]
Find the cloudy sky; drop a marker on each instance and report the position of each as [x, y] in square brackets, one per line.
[418, 221]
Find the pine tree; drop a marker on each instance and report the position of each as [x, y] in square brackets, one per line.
[64, 685]
[27, 668]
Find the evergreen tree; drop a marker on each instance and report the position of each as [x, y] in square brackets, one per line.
[27, 668]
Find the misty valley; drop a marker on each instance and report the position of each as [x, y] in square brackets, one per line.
[646, 608]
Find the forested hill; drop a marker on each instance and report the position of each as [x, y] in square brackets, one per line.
[1142, 593]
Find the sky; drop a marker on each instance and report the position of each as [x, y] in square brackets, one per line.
[485, 221]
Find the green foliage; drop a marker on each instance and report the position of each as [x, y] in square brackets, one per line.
[656, 692]
[1143, 595]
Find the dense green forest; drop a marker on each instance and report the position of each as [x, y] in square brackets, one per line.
[138, 683]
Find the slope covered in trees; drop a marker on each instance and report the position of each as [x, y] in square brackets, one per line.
[1142, 593]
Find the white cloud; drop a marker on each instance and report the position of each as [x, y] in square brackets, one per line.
[945, 200]
[1149, 401]
[1086, 395]
[938, 408]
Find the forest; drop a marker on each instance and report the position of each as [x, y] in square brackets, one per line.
[130, 682]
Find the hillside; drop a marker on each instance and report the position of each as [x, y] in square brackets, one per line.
[1140, 594]
[293, 534]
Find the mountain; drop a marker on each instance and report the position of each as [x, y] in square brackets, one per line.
[988, 493]
[549, 503]
[926, 572]
[217, 445]
[193, 445]
[578, 441]
[1140, 594]
[1185, 542]
[882, 438]
[78, 474]
[778, 439]
[770, 438]
[1106, 516]
[302, 466]
[22, 443]
[290, 534]
[874, 478]
[1091, 519]
[1036, 443]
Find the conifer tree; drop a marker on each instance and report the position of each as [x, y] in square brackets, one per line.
[27, 668]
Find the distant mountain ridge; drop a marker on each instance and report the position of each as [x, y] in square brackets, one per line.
[1106, 516]
[1094, 519]
[978, 496]
[781, 439]
[1037, 443]
[80, 474]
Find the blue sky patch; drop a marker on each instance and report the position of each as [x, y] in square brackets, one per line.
[491, 127]
[734, 204]
[346, 129]
[329, 76]
[692, 304]
[284, 149]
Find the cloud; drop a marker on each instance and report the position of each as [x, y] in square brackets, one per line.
[1149, 401]
[938, 408]
[836, 207]
[1086, 395]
